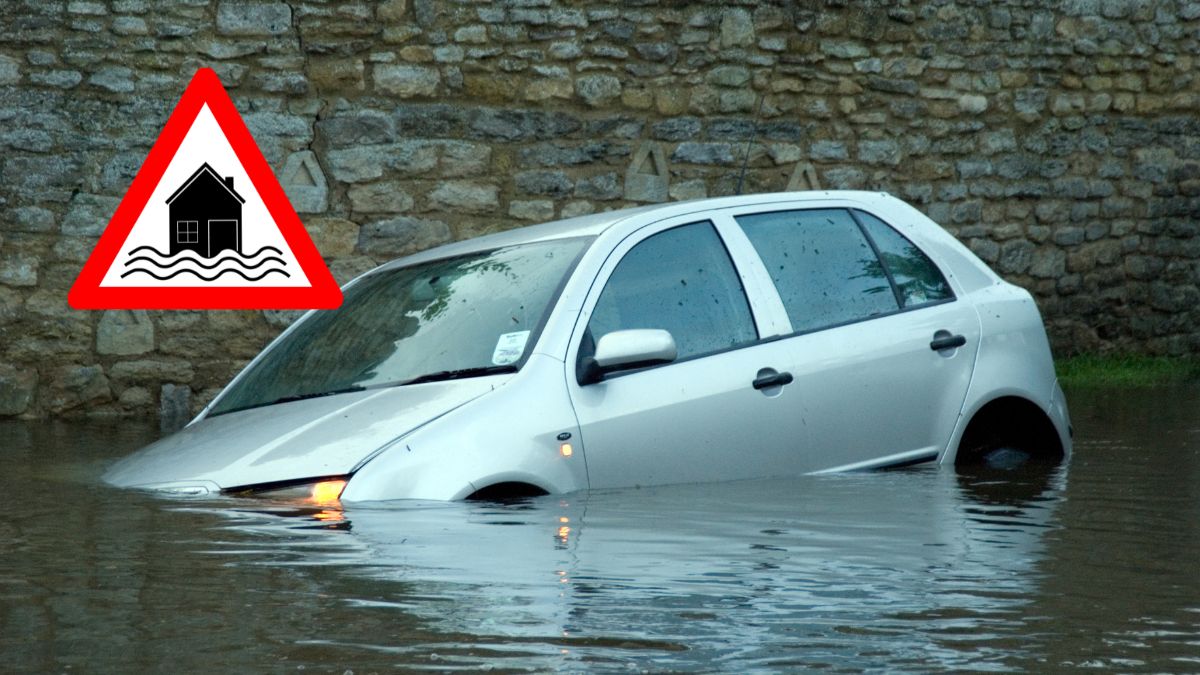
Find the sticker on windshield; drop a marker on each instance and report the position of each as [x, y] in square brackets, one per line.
[509, 348]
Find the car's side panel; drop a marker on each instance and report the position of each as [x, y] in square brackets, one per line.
[694, 421]
[1014, 360]
[699, 419]
[512, 435]
[875, 390]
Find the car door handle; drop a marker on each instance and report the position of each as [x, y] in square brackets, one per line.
[944, 340]
[772, 380]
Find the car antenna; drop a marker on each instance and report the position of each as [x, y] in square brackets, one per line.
[749, 142]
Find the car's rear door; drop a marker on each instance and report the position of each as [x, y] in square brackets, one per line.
[700, 418]
[881, 349]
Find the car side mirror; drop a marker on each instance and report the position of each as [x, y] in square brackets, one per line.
[626, 350]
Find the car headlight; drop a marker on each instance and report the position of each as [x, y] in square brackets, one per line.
[320, 491]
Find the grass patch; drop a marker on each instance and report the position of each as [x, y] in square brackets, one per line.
[1127, 370]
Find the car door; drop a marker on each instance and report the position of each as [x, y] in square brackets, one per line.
[881, 350]
[700, 417]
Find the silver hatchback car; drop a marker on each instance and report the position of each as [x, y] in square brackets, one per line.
[724, 339]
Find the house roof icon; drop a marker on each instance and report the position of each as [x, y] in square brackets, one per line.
[225, 182]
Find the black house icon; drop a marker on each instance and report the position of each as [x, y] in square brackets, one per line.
[206, 214]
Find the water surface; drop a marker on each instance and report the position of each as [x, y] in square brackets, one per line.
[1091, 564]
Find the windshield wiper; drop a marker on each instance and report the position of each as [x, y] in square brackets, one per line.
[301, 397]
[460, 374]
[289, 399]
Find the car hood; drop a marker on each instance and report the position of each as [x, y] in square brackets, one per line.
[311, 438]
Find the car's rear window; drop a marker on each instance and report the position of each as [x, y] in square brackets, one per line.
[918, 280]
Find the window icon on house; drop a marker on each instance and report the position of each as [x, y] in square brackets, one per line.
[206, 214]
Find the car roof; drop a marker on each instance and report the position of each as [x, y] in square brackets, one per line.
[594, 224]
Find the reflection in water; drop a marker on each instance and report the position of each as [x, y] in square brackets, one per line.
[909, 570]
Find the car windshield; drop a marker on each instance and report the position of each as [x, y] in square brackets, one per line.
[458, 317]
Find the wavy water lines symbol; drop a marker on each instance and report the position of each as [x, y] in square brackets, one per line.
[259, 264]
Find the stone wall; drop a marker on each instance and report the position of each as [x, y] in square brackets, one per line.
[1060, 140]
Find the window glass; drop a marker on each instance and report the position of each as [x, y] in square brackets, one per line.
[187, 232]
[822, 265]
[442, 319]
[682, 281]
[917, 279]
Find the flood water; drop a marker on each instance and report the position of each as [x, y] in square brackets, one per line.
[1095, 564]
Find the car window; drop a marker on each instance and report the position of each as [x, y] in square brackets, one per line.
[464, 316]
[680, 280]
[917, 279]
[823, 266]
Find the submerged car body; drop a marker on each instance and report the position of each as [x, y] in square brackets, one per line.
[722, 339]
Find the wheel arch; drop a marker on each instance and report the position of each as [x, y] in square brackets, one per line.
[1010, 418]
[505, 485]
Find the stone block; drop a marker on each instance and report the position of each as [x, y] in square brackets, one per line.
[17, 388]
[648, 177]
[136, 398]
[124, 333]
[75, 385]
[1016, 256]
[30, 219]
[664, 52]
[784, 153]
[11, 305]
[345, 269]
[475, 34]
[392, 10]
[19, 269]
[130, 25]
[385, 197]
[600, 187]
[597, 90]
[459, 158]
[337, 73]
[117, 79]
[357, 165]
[466, 196]
[548, 88]
[304, 183]
[366, 127]
[257, 19]
[174, 406]
[59, 79]
[538, 210]
[828, 150]
[10, 70]
[86, 7]
[521, 125]
[737, 28]
[676, 129]
[884, 151]
[579, 207]
[395, 237]
[972, 104]
[151, 371]
[333, 237]
[728, 76]
[89, 214]
[688, 189]
[406, 81]
[844, 50]
[691, 152]
[1048, 263]
[548, 183]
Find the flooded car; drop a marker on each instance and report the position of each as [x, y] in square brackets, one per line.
[723, 339]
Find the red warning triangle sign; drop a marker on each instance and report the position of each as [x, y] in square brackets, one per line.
[205, 224]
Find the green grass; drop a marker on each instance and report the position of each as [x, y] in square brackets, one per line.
[1126, 370]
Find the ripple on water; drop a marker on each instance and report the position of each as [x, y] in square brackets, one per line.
[1090, 565]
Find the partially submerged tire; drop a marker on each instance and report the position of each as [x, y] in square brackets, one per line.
[1009, 433]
